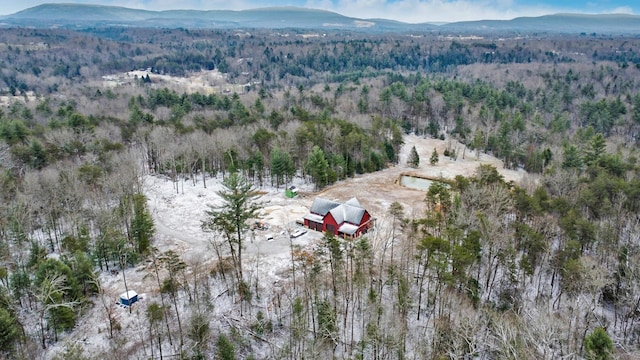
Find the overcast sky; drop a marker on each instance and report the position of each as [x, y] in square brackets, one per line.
[412, 11]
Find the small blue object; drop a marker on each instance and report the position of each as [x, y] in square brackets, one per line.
[128, 298]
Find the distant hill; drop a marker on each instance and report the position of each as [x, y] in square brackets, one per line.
[558, 23]
[81, 16]
[84, 16]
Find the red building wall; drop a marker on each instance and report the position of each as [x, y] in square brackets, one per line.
[365, 218]
[312, 225]
[330, 221]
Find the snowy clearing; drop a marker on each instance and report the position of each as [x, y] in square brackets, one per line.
[178, 216]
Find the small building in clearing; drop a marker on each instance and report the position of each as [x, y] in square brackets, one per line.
[291, 192]
[348, 220]
[128, 298]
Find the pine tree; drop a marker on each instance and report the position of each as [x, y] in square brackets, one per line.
[155, 314]
[171, 285]
[231, 217]
[282, 166]
[597, 148]
[318, 167]
[572, 158]
[598, 345]
[635, 112]
[9, 326]
[434, 157]
[38, 155]
[414, 158]
[142, 224]
[225, 349]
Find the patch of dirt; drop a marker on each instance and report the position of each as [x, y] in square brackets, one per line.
[376, 191]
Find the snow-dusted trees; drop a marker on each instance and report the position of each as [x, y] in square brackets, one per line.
[231, 219]
[57, 292]
[171, 285]
[155, 314]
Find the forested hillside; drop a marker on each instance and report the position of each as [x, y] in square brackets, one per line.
[543, 268]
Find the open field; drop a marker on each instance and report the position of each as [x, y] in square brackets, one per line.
[178, 215]
[206, 81]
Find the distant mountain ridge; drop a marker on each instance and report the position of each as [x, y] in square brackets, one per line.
[562, 23]
[85, 16]
[82, 16]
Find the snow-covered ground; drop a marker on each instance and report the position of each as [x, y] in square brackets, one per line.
[178, 215]
[206, 81]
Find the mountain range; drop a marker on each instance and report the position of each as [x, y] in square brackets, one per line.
[78, 16]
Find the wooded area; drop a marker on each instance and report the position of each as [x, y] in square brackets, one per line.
[541, 269]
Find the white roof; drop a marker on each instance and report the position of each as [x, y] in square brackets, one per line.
[322, 206]
[348, 229]
[353, 202]
[347, 213]
[313, 217]
[128, 295]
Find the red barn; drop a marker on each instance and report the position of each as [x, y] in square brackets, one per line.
[345, 220]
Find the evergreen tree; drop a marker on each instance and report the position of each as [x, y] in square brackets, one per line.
[597, 148]
[232, 216]
[9, 326]
[38, 158]
[225, 349]
[142, 224]
[199, 331]
[171, 285]
[598, 345]
[572, 158]
[434, 157]
[547, 156]
[72, 351]
[318, 167]
[282, 167]
[255, 165]
[262, 137]
[155, 315]
[488, 174]
[433, 128]
[58, 292]
[414, 158]
[635, 112]
[258, 106]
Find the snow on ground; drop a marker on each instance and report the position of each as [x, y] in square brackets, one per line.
[178, 216]
[206, 81]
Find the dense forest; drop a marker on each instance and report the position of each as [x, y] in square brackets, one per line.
[541, 269]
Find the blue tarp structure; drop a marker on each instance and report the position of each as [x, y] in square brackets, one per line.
[128, 298]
